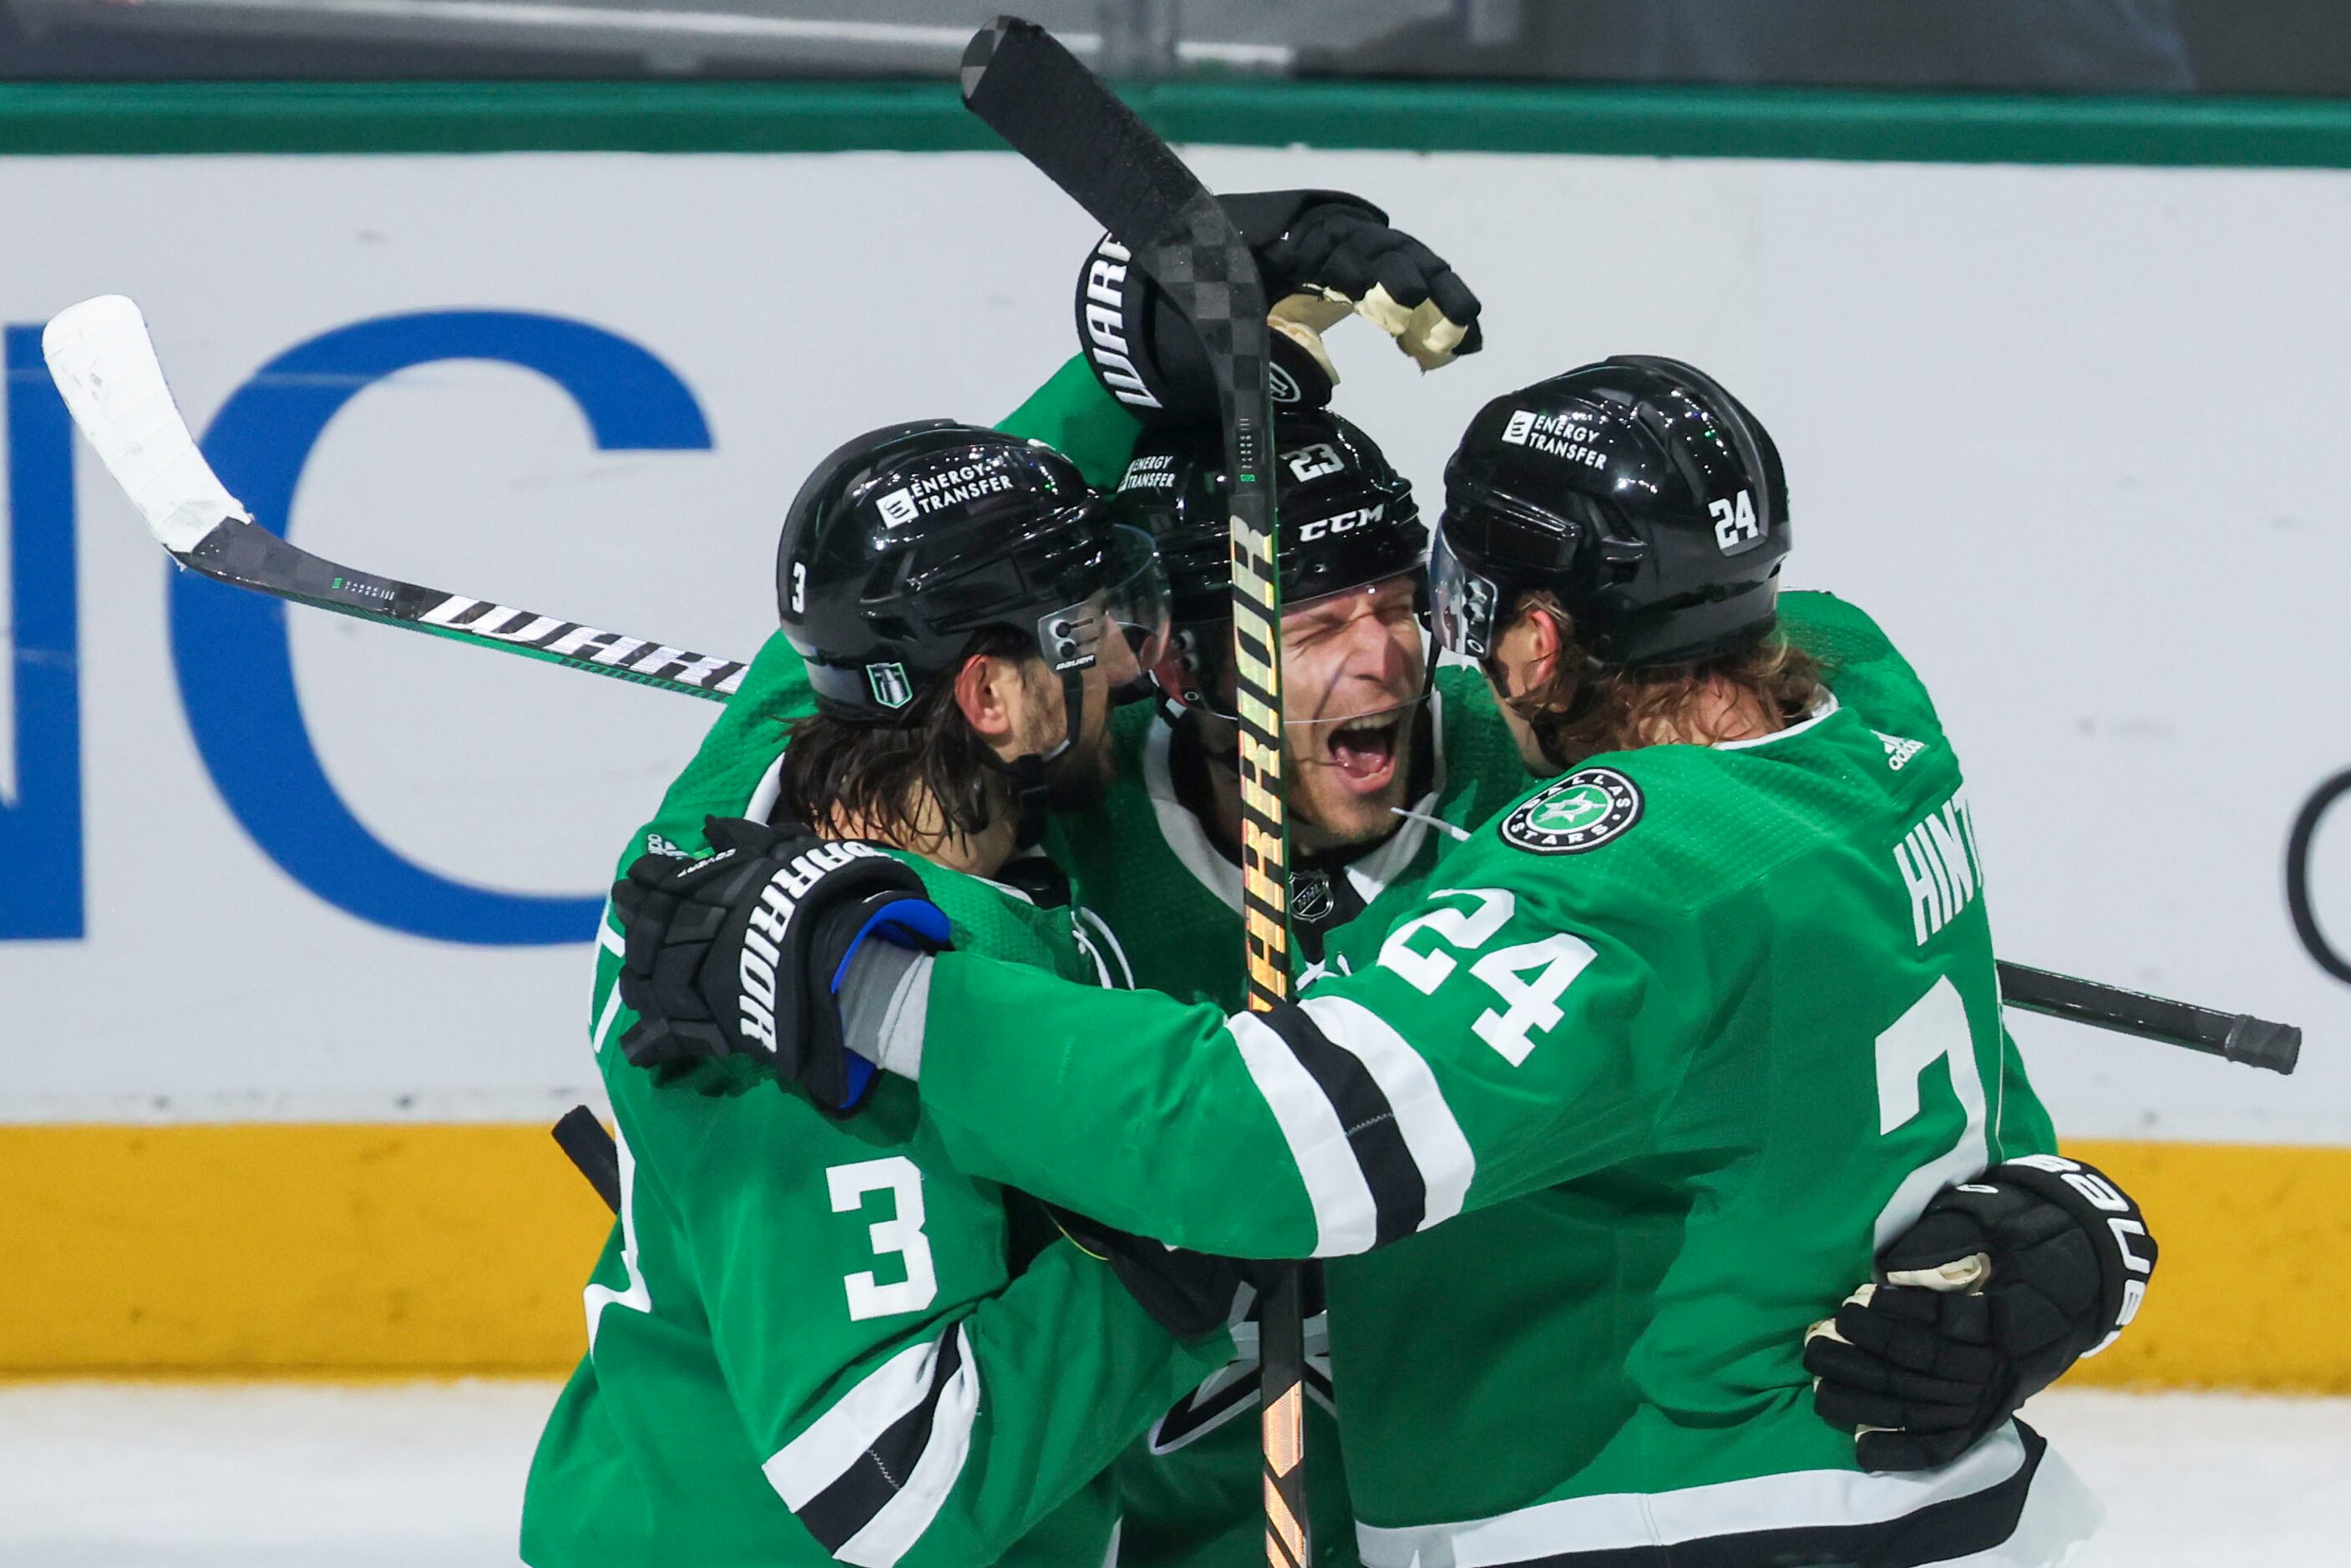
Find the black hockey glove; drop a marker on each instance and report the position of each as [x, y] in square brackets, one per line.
[1329, 243]
[1189, 1294]
[739, 953]
[2001, 1285]
[1324, 254]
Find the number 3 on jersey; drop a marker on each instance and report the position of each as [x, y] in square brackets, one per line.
[1529, 1004]
[901, 1234]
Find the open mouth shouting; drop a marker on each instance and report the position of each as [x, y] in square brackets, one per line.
[1363, 752]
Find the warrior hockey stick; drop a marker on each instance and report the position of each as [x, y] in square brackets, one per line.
[1055, 114]
[105, 367]
[2238, 1036]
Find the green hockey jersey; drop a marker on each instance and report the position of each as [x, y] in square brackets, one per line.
[1149, 862]
[816, 1340]
[1673, 1043]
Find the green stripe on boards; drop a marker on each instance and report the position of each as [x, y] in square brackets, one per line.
[66, 117]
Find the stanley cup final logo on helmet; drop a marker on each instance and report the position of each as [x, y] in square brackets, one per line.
[889, 684]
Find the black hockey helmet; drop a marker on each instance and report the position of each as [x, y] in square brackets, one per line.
[909, 539]
[1638, 492]
[1346, 518]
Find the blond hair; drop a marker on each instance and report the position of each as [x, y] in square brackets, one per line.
[1578, 712]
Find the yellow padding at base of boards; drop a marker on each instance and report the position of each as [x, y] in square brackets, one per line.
[2254, 1272]
[354, 1250]
[283, 1250]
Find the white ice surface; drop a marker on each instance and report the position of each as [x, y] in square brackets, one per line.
[271, 1476]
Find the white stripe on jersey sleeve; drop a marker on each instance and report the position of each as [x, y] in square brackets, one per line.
[1431, 1136]
[1628, 1522]
[837, 1441]
[1345, 1219]
[635, 1296]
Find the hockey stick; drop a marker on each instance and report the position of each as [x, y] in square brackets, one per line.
[1055, 114]
[2238, 1036]
[583, 1138]
[105, 368]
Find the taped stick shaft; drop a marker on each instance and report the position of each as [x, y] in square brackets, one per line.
[2237, 1036]
[1054, 113]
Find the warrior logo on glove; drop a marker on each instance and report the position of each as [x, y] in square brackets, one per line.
[739, 954]
[767, 927]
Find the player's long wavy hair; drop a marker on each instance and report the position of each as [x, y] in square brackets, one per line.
[1579, 714]
[915, 782]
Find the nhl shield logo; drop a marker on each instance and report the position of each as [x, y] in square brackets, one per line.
[1583, 811]
[891, 687]
[1309, 895]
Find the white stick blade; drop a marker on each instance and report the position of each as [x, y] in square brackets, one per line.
[106, 370]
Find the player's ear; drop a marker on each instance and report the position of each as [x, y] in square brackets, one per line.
[1527, 654]
[988, 691]
[1545, 639]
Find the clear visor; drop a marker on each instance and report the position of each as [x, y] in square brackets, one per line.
[1463, 601]
[1123, 627]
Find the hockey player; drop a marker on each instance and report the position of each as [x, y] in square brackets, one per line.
[1158, 862]
[1378, 755]
[1685, 1035]
[813, 1339]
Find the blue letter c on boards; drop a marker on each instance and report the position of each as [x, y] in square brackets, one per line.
[229, 646]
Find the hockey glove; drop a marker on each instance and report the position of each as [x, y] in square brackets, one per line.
[740, 953]
[1340, 251]
[1190, 1294]
[1325, 255]
[2001, 1285]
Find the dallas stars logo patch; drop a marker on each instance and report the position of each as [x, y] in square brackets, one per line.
[1583, 811]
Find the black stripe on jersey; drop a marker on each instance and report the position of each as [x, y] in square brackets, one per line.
[1956, 1527]
[837, 1513]
[1399, 1192]
[1194, 1416]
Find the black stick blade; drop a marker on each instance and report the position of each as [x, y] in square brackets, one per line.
[1057, 115]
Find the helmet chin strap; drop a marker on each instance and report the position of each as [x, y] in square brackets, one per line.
[1038, 781]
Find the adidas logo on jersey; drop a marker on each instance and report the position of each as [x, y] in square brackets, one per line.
[1939, 866]
[1899, 751]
